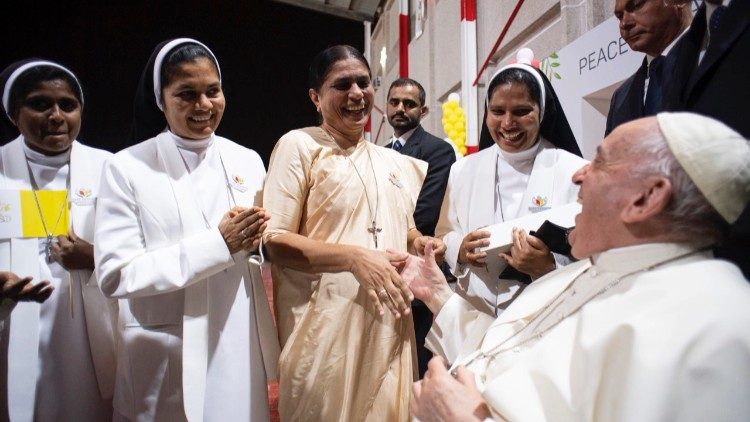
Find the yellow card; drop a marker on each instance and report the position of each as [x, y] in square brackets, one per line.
[55, 211]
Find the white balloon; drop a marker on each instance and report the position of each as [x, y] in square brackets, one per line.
[454, 97]
[525, 55]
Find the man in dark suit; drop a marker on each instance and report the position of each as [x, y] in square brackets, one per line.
[405, 109]
[650, 27]
[710, 77]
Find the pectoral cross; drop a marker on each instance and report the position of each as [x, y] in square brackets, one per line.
[48, 248]
[374, 230]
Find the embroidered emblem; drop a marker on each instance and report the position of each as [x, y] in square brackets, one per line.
[539, 201]
[83, 197]
[238, 182]
[5, 218]
[394, 179]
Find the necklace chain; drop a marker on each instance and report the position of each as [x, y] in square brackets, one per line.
[49, 234]
[373, 229]
[549, 309]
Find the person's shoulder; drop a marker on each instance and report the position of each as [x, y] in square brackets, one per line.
[303, 138]
[437, 144]
[95, 152]
[143, 150]
[236, 150]
[710, 294]
[470, 161]
[559, 157]
[8, 145]
[389, 153]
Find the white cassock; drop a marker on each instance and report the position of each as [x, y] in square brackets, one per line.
[493, 186]
[198, 340]
[58, 358]
[655, 332]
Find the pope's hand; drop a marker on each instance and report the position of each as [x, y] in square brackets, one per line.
[441, 397]
[425, 279]
[22, 290]
[73, 253]
[242, 228]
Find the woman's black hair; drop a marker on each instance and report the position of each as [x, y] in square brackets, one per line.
[323, 61]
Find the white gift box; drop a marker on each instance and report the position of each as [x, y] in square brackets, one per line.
[501, 234]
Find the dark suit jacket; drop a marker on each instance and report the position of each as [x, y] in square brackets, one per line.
[627, 101]
[719, 87]
[439, 157]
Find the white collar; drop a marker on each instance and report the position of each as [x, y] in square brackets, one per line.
[632, 258]
[35, 157]
[520, 156]
[405, 136]
[195, 145]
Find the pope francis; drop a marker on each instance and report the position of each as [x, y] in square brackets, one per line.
[646, 326]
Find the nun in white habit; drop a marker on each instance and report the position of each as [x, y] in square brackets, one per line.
[56, 336]
[175, 244]
[527, 169]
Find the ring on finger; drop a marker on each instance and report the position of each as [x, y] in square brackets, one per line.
[383, 294]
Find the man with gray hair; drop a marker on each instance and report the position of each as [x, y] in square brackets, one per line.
[646, 326]
[651, 27]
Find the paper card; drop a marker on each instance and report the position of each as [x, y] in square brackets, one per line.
[20, 210]
[501, 237]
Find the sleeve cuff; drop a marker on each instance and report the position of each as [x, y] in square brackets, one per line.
[561, 260]
[208, 252]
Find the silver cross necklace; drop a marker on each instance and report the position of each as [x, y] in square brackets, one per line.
[373, 229]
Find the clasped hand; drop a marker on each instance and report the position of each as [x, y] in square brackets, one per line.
[73, 253]
[242, 228]
[376, 273]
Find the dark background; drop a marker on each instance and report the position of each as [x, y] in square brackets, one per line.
[264, 49]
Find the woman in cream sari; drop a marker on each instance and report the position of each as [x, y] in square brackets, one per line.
[337, 203]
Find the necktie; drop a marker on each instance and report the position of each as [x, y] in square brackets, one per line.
[652, 105]
[715, 20]
[397, 145]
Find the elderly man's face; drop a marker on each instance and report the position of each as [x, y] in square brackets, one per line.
[606, 185]
[648, 26]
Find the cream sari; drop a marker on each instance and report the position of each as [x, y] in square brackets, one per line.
[340, 360]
